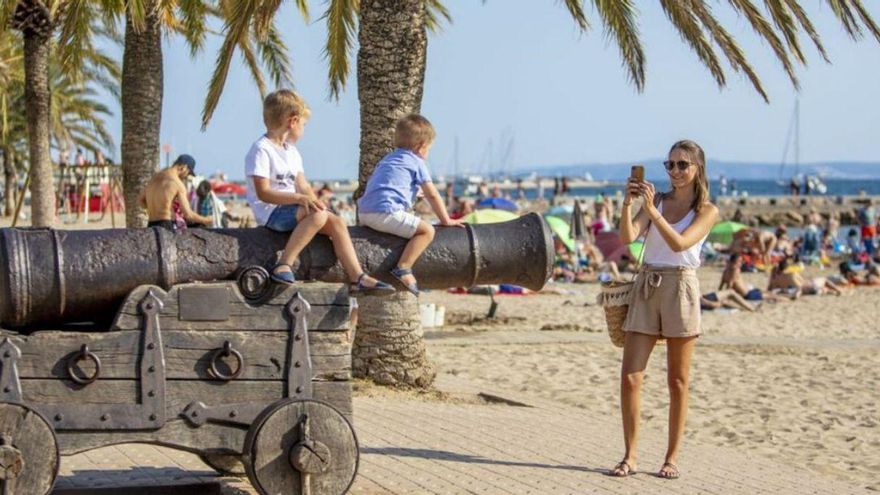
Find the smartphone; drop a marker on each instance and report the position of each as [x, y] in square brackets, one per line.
[638, 172]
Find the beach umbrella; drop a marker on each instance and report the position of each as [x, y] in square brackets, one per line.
[561, 230]
[560, 210]
[498, 204]
[488, 216]
[722, 233]
[229, 188]
[635, 248]
[576, 225]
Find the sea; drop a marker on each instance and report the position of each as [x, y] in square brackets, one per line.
[752, 187]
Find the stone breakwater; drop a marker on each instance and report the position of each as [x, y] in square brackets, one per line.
[791, 210]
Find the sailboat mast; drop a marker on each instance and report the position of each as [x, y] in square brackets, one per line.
[797, 135]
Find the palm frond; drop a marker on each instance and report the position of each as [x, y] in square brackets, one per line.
[265, 15]
[807, 26]
[576, 9]
[435, 14]
[194, 16]
[735, 55]
[76, 33]
[764, 29]
[683, 18]
[250, 60]
[341, 16]
[866, 18]
[784, 21]
[619, 17]
[273, 53]
[238, 19]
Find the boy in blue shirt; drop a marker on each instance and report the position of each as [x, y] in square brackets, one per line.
[283, 200]
[391, 191]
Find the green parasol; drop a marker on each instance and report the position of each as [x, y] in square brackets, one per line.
[561, 229]
[636, 248]
[489, 215]
[722, 233]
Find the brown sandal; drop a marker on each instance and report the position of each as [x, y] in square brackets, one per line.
[622, 470]
[672, 474]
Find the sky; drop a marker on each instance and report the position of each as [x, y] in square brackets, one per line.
[518, 87]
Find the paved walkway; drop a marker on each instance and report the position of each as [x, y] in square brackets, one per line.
[414, 446]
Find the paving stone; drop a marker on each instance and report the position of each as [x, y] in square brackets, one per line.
[412, 446]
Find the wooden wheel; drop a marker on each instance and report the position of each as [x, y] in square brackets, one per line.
[300, 447]
[225, 464]
[29, 458]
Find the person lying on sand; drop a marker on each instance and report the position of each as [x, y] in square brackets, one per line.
[819, 286]
[871, 278]
[727, 299]
[783, 283]
[732, 279]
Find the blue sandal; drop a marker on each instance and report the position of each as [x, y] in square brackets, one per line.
[399, 273]
[380, 289]
[286, 278]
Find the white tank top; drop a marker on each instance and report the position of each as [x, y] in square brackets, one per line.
[658, 253]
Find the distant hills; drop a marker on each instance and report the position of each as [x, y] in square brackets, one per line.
[739, 170]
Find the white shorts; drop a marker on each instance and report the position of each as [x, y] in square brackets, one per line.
[399, 223]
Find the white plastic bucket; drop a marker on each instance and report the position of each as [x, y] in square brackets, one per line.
[426, 314]
[440, 316]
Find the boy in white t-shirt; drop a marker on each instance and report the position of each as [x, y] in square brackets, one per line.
[282, 199]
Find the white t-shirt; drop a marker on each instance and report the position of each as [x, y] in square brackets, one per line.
[280, 165]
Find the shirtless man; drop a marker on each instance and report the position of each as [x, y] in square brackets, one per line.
[754, 241]
[166, 193]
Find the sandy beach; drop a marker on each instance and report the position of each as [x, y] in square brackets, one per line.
[795, 382]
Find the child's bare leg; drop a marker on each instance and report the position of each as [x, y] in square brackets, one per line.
[308, 224]
[415, 247]
[336, 229]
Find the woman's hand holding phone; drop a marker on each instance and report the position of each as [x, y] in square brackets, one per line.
[634, 184]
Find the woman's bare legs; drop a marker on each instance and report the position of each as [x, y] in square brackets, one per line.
[678, 362]
[637, 349]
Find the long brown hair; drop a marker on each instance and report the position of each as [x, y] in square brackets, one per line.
[701, 182]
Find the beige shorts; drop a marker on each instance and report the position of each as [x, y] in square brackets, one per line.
[665, 302]
[399, 223]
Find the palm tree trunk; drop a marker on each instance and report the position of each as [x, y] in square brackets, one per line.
[141, 111]
[389, 346]
[390, 71]
[37, 99]
[10, 178]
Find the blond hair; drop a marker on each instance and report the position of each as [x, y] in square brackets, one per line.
[701, 181]
[281, 105]
[413, 131]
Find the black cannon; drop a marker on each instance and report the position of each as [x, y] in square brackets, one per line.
[197, 351]
[50, 277]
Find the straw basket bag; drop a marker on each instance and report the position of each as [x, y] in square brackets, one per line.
[615, 298]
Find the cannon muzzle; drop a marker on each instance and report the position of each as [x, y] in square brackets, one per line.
[53, 277]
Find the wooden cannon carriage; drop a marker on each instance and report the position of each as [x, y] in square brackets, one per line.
[234, 372]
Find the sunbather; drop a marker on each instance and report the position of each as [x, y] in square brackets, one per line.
[727, 299]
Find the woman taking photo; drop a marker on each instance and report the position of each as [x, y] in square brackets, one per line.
[666, 294]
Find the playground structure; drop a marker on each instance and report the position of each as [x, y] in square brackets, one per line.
[82, 191]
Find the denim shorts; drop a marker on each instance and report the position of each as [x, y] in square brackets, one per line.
[283, 218]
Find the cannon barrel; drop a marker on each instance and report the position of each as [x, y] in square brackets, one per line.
[53, 277]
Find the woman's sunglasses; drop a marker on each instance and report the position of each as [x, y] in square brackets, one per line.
[681, 164]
